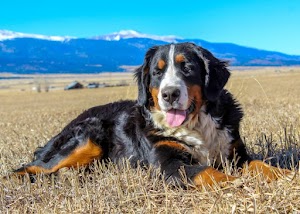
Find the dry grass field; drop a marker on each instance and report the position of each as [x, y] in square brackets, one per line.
[271, 129]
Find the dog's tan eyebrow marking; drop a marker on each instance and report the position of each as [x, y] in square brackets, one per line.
[161, 64]
[179, 58]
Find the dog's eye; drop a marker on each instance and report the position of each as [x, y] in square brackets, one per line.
[157, 72]
[186, 70]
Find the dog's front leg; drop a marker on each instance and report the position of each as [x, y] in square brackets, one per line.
[173, 157]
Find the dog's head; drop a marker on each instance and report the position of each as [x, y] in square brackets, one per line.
[176, 79]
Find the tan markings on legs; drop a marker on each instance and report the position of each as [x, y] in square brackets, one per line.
[81, 156]
[154, 93]
[211, 176]
[172, 144]
[270, 173]
[161, 64]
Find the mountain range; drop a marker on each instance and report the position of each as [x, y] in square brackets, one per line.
[22, 53]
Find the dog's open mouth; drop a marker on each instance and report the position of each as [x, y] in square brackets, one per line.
[176, 117]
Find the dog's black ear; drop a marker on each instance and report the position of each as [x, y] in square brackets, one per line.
[142, 77]
[216, 75]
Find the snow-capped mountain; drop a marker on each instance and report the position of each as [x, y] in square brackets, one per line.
[116, 36]
[7, 35]
[35, 53]
[127, 34]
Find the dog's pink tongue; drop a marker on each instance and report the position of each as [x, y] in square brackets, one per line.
[175, 117]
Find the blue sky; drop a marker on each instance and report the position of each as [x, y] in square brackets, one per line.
[264, 24]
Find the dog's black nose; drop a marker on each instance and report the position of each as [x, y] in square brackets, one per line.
[170, 94]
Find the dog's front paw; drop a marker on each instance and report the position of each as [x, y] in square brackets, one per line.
[212, 177]
[270, 173]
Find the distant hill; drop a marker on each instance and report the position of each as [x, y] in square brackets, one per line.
[30, 53]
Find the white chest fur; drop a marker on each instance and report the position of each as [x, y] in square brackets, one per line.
[205, 141]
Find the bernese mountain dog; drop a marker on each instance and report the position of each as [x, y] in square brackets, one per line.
[182, 121]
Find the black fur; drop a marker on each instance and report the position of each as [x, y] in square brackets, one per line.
[216, 76]
[142, 77]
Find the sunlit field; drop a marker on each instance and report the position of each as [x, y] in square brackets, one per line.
[271, 130]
